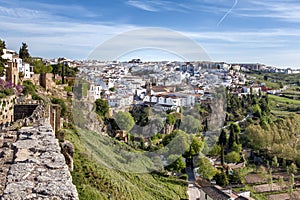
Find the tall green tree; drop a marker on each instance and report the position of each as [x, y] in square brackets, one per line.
[2, 61]
[222, 155]
[222, 138]
[234, 134]
[24, 53]
[231, 139]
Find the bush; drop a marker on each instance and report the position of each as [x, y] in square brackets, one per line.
[36, 97]
[29, 88]
[58, 82]
[68, 88]
[102, 108]
[2, 95]
[8, 92]
[233, 157]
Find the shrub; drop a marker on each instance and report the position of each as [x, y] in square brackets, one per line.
[233, 157]
[36, 97]
[29, 87]
[68, 88]
[58, 82]
[8, 92]
[2, 95]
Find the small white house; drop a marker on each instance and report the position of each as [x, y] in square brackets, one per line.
[27, 70]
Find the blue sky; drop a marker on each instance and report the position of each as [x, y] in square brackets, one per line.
[265, 31]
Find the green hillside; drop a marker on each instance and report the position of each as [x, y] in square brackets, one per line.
[96, 181]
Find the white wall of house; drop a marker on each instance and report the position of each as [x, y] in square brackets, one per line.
[147, 99]
[8, 54]
[95, 91]
[27, 70]
[154, 99]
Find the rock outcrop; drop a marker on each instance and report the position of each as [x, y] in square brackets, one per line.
[37, 170]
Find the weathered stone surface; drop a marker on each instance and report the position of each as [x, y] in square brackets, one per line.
[38, 169]
[68, 152]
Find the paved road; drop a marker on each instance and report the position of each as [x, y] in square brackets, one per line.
[193, 191]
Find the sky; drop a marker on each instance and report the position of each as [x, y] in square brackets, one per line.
[244, 31]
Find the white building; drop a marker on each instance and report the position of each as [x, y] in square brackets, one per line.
[120, 101]
[95, 91]
[26, 69]
[172, 100]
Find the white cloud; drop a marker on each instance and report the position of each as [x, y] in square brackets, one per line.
[288, 11]
[142, 5]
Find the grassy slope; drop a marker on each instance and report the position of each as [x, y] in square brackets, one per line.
[94, 181]
[284, 100]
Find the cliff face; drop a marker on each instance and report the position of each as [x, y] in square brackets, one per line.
[36, 169]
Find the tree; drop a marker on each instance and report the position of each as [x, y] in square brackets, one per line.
[2, 61]
[206, 169]
[176, 163]
[141, 115]
[234, 135]
[222, 155]
[265, 109]
[234, 127]
[222, 138]
[39, 67]
[231, 139]
[24, 53]
[256, 110]
[102, 108]
[221, 178]
[196, 146]
[124, 120]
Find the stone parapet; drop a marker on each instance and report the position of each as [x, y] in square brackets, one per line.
[38, 169]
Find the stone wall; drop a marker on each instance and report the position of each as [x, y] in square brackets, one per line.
[38, 169]
[47, 80]
[7, 109]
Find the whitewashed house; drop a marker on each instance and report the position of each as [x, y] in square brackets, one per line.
[26, 69]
